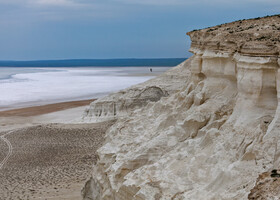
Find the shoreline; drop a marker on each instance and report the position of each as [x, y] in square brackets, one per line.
[62, 112]
[44, 109]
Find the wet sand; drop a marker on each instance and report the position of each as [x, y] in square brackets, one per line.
[47, 160]
[44, 109]
[65, 112]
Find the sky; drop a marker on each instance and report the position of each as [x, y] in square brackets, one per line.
[101, 29]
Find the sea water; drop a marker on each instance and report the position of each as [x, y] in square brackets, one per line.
[21, 87]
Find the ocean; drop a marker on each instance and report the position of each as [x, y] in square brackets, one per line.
[31, 86]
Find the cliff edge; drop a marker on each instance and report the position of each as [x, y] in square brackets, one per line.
[213, 137]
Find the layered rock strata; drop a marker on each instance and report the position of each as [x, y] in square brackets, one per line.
[211, 139]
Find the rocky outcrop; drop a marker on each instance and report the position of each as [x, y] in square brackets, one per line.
[267, 186]
[126, 101]
[211, 139]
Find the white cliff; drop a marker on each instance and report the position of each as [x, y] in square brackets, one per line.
[213, 137]
[125, 101]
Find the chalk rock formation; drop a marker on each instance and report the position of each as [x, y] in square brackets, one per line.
[125, 101]
[211, 139]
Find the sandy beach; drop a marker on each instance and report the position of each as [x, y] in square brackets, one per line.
[64, 112]
[43, 158]
[44, 109]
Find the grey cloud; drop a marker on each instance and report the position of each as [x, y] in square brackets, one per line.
[81, 3]
[35, 10]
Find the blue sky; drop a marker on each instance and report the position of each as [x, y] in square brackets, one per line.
[74, 29]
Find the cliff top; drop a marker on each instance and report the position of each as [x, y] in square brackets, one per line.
[254, 33]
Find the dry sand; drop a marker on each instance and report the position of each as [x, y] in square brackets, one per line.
[47, 161]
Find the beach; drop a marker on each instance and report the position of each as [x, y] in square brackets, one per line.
[45, 150]
[63, 112]
[50, 161]
[41, 159]
[44, 109]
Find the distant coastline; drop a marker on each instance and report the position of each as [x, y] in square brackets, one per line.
[95, 62]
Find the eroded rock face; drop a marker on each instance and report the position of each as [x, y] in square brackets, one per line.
[126, 101]
[211, 139]
[267, 186]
